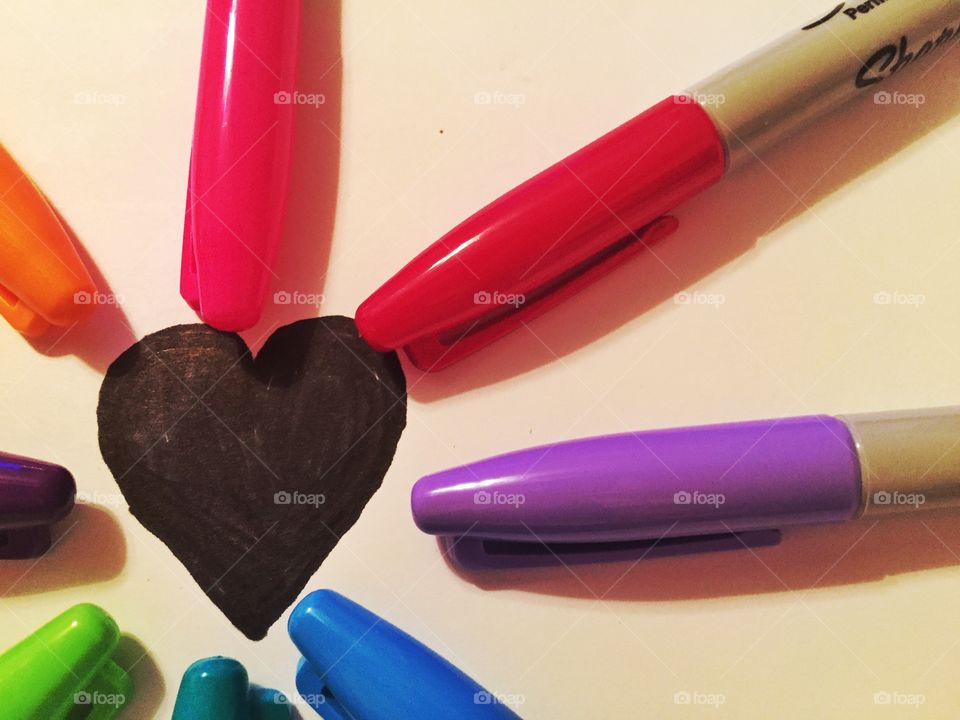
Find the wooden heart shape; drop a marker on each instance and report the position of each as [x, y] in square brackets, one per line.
[251, 470]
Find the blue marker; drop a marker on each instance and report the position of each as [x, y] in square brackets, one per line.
[357, 666]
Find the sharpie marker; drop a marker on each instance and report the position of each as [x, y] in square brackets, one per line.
[715, 487]
[34, 495]
[218, 688]
[547, 238]
[240, 162]
[358, 666]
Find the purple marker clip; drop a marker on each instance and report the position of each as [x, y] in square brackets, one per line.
[33, 496]
[668, 492]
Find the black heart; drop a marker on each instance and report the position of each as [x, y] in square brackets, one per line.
[251, 470]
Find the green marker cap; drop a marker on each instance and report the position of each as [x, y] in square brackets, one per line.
[65, 668]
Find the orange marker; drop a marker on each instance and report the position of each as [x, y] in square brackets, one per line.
[43, 282]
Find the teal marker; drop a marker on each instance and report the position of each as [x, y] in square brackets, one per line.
[218, 688]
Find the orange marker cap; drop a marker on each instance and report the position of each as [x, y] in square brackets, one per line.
[43, 281]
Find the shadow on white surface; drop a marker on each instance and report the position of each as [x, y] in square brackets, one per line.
[149, 687]
[103, 335]
[88, 547]
[808, 558]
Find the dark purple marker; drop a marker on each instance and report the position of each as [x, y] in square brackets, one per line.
[33, 495]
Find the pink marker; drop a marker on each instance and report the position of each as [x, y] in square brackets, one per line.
[240, 165]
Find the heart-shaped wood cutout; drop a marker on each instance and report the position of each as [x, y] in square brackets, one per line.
[251, 470]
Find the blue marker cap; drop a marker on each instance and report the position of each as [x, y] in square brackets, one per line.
[357, 666]
[217, 688]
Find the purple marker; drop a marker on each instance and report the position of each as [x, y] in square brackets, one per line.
[666, 492]
[33, 495]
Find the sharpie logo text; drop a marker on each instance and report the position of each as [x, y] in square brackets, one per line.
[892, 58]
[854, 13]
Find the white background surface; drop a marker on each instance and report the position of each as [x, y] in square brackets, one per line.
[813, 628]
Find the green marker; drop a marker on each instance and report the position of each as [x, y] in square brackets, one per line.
[65, 668]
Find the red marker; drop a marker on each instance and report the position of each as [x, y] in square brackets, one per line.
[544, 240]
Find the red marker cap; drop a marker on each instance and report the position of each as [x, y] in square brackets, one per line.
[546, 239]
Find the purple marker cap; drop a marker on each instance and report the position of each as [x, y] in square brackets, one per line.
[666, 492]
[33, 495]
